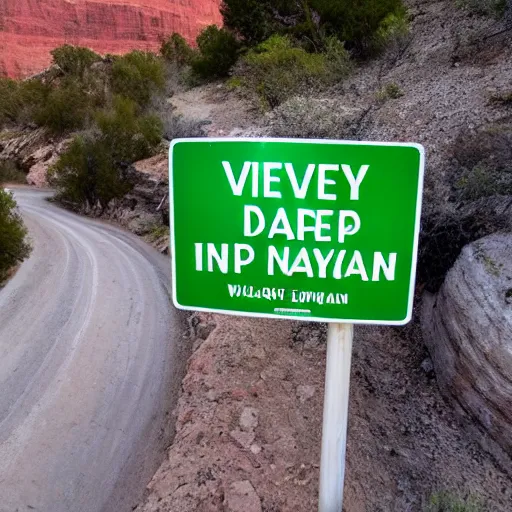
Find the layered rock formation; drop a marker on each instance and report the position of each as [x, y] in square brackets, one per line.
[30, 29]
[468, 330]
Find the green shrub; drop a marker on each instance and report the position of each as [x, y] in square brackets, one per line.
[138, 75]
[9, 173]
[65, 108]
[390, 91]
[63, 105]
[218, 52]
[92, 170]
[364, 25]
[484, 182]
[128, 136]
[446, 502]
[85, 175]
[74, 60]
[176, 49]
[21, 102]
[10, 101]
[337, 57]
[13, 247]
[485, 163]
[277, 70]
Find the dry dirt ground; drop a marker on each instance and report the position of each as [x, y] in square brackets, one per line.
[249, 419]
[229, 115]
[249, 425]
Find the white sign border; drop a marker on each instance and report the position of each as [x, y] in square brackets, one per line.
[301, 318]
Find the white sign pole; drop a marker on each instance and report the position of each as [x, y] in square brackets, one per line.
[334, 432]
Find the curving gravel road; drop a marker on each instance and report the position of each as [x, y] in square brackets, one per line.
[90, 366]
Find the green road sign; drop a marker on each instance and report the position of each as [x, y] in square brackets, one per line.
[303, 229]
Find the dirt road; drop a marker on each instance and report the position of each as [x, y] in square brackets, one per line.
[89, 366]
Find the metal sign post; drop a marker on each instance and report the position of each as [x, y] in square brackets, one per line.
[334, 431]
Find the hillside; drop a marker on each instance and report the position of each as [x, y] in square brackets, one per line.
[29, 30]
[248, 423]
[406, 443]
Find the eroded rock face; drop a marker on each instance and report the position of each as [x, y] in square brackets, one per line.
[30, 29]
[32, 152]
[468, 329]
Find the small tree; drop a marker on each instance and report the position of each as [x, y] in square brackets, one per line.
[218, 52]
[84, 174]
[13, 247]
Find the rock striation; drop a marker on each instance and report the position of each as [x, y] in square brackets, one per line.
[468, 330]
[30, 29]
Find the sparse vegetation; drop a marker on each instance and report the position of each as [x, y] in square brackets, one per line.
[277, 69]
[484, 182]
[390, 91]
[13, 247]
[176, 126]
[156, 232]
[447, 502]
[481, 180]
[365, 25]
[485, 160]
[504, 99]
[304, 117]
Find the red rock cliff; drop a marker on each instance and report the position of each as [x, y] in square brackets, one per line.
[30, 29]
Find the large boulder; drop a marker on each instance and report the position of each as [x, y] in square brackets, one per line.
[467, 327]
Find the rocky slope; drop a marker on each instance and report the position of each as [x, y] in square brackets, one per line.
[249, 419]
[30, 29]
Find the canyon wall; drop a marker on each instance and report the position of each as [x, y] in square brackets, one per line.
[30, 29]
